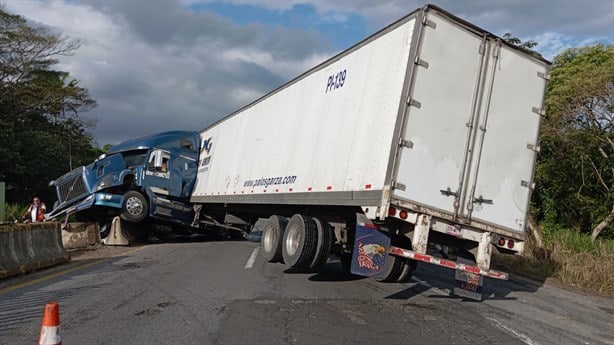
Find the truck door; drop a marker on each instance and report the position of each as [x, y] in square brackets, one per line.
[158, 172]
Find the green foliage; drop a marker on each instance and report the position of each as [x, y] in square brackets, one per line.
[15, 211]
[41, 133]
[530, 44]
[575, 170]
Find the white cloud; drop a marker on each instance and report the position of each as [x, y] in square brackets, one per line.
[145, 84]
[156, 65]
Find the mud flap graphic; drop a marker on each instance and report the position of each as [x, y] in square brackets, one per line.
[370, 253]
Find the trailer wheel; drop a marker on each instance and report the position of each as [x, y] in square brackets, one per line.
[324, 243]
[409, 265]
[135, 207]
[346, 262]
[272, 234]
[394, 264]
[300, 242]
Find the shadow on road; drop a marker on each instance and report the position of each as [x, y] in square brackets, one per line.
[429, 277]
[333, 271]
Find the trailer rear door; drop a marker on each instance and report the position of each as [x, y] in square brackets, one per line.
[446, 75]
[471, 130]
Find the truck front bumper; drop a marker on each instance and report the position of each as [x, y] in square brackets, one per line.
[98, 199]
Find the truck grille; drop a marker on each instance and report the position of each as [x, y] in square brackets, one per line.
[72, 189]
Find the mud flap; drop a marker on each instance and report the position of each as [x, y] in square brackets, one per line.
[370, 253]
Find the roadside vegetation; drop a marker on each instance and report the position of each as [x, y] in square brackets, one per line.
[572, 210]
[42, 132]
[567, 256]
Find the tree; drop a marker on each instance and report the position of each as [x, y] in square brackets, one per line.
[40, 125]
[509, 38]
[576, 168]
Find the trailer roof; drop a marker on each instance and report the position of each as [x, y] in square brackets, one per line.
[414, 14]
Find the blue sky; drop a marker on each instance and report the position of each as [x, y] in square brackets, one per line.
[343, 32]
[156, 65]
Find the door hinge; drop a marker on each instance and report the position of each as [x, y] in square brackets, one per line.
[406, 143]
[539, 111]
[418, 61]
[526, 184]
[544, 75]
[413, 102]
[399, 186]
[535, 148]
[427, 22]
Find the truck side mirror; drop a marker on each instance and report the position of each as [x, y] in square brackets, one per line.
[158, 159]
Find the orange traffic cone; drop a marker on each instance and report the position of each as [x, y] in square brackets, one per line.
[50, 330]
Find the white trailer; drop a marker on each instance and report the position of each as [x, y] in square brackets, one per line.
[428, 130]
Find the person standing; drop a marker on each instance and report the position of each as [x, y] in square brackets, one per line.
[35, 212]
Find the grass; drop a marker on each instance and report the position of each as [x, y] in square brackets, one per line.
[569, 257]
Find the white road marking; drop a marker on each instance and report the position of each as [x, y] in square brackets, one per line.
[516, 334]
[252, 258]
[424, 283]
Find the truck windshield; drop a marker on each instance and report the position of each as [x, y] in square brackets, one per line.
[134, 158]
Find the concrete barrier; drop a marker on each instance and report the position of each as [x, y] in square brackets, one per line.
[121, 234]
[28, 247]
[80, 235]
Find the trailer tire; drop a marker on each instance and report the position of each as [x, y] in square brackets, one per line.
[324, 243]
[409, 265]
[346, 262]
[272, 235]
[300, 242]
[135, 207]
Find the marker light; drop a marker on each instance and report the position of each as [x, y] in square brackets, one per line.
[501, 241]
[403, 214]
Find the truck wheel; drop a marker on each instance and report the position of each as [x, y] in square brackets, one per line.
[394, 268]
[300, 242]
[346, 262]
[272, 234]
[324, 242]
[135, 207]
[409, 265]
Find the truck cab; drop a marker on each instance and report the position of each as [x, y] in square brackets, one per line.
[145, 177]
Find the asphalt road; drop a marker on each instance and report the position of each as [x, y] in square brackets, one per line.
[224, 293]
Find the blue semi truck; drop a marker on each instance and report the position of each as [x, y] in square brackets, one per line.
[146, 177]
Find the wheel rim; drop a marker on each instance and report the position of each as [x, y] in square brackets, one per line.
[269, 239]
[134, 206]
[293, 240]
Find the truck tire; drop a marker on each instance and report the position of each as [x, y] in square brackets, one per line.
[324, 243]
[394, 268]
[135, 207]
[346, 262]
[409, 265]
[395, 265]
[272, 235]
[300, 242]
